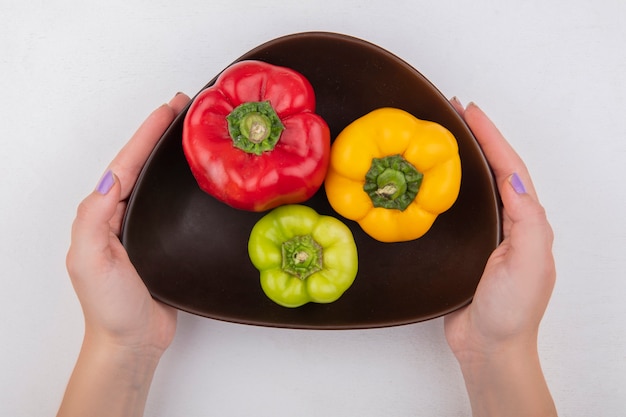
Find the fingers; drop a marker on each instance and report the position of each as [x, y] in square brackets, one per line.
[502, 158]
[514, 182]
[130, 160]
[178, 102]
[456, 103]
[99, 214]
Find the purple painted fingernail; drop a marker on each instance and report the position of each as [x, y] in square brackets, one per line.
[106, 182]
[517, 184]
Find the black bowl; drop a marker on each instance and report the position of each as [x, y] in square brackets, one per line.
[191, 250]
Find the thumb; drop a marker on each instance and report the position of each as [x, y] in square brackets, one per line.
[530, 233]
[91, 230]
[520, 205]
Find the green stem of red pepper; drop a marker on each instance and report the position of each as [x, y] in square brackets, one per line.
[392, 182]
[302, 256]
[254, 127]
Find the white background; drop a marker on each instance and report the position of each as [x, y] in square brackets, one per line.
[78, 78]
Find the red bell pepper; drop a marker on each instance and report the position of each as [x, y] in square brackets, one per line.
[253, 139]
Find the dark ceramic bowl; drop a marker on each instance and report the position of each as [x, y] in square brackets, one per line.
[191, 250]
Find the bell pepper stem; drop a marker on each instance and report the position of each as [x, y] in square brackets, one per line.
[302, 256]
[392, 182]
[254, 127]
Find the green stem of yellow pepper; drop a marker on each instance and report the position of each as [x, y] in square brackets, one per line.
[392, 182]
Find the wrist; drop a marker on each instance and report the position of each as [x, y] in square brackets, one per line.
[505, 358]
[138, 343]
[109, 379]
[477, 354]
[123, 352]
[506, 379]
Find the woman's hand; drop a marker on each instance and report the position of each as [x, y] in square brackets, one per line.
[495, 337]
[126, 330]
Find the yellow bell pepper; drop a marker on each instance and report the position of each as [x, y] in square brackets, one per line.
[393, 174]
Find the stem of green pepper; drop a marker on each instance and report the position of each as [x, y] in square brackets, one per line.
[302, 256]
[254, 127]
[392, 182]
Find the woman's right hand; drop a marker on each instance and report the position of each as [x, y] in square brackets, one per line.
[495, 337]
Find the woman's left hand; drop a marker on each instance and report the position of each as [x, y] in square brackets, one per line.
[115, 301]
[126, 330]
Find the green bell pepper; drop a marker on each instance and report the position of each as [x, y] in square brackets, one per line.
[303, 256]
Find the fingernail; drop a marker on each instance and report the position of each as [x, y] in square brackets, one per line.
[471, 104]
[457, 105]
[106, 182]
[517, 184]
